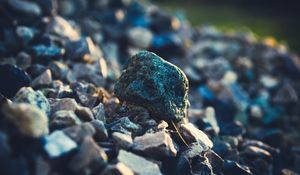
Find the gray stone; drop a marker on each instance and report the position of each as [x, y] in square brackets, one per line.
[84, 113]
[63, 118]
[68, 104]
[155, 84]
[58, 144]
[123, 140]
[43, 80]
[117, 169]
[137, 164]
[101, 132]
[99, 112]
[140, 37]
[59, 69]
[79, 132]
[158, 145]
[89, 154]
[28, 119]
[59, 26]
[23, 60]
[191, 134]
[36, 98]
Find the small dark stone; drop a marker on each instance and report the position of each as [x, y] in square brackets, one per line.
[44, 54]
[231, 168]
[101, 132]
[13, 78]
[155, 84]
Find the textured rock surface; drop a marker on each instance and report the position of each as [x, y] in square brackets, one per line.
[155, 84]
[28, 119]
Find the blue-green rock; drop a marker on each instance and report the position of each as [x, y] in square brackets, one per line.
[155, 84]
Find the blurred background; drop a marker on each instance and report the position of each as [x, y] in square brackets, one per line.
[266, 18]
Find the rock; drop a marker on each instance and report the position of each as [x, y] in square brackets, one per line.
[79, 132]
[59, 69]
[35, 70]
[59, 26]
[23, 60]
[13, 78]
[215, 160]
[87, 73]
[89, 157]
[137, 164]
[43, 53]
[36, 98]
[62, 119]
[26, 34]
[252, 152]
[58, 144]
[158, 145]
[140, 37]
[124, 125]
[84, 113]
[101, 132]
[123, 140]
[231, 168]
[67, 104]
[99, 112]
[117, 169]
[155, 84]
[25, 7]
[191, 134]
[28, 119]
[44, 79]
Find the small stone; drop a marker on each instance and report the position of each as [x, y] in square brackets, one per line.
[211, 119]
[35, 70]
[140, 37]
[89, 157]
[25, 7]
[36, 98]
[101, 132]
[158, 145]
[59, 26]
[255, 152]
[124, 125]
[43, 54]
[215, 160]
[62, 119]
[191, 134]
[99, 112]
[79, 132]
[44, 79]
[13, 78]
[123, 140]
[26, 34]
[58, 144]
[28, 119]
[137, 164]
[23, 60]
[84, 113]
[68, 104]
[89, 73]
[231, 167]
[117, 169]
[59, 69]
[155, 84]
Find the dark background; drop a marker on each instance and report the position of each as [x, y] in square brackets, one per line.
[266, 18]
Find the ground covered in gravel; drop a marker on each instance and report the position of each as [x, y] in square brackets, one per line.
[119, 87]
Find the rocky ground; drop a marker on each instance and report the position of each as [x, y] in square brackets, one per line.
[80, 95]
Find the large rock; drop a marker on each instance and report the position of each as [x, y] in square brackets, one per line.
[28, 119]
[155, 84]
[36, 98]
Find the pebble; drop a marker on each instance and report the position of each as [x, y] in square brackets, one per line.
[58, 144]
[231, 167]
[62, 119]
[14, 78]
[191, 134]
[45, 79]
[101, 132]
[99, 112]
[84, 113]
[79, 132]
[123, 140]
[135, 162]
[90, 157]
[155, 84]
[28, 119]
[158, 145]
[36, 98]
[68, 104]
[140, 37]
